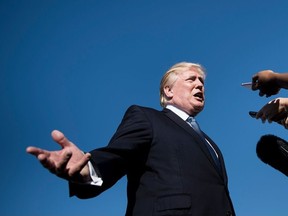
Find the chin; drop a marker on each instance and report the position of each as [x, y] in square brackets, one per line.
[199, 108]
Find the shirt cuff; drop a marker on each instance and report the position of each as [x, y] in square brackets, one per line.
[96, 180]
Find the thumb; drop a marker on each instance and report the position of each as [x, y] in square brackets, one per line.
[255, 84]
[60, 138]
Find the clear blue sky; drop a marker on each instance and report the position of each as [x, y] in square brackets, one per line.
[77, 65]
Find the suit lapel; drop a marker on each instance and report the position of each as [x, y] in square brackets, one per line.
[219, 155]
[199, 140]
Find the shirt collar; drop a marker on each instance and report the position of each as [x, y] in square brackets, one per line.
[183, 115]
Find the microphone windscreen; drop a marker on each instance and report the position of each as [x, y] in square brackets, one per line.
[273, 150]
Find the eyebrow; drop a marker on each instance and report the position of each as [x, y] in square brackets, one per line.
[201, 78]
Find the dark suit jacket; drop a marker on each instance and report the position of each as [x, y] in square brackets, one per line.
[168, 167]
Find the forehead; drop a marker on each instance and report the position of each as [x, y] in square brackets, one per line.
[193, 71]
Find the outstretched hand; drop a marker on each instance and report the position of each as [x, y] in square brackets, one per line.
[274, 111]
[69, 163]
[265, 82]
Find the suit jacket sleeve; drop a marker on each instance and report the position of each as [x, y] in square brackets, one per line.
[127, 148]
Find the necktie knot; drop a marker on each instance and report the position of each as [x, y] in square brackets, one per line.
[191, 120]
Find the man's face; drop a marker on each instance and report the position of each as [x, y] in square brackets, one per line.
[187, 93]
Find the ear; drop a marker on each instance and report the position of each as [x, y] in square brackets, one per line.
[168, 91]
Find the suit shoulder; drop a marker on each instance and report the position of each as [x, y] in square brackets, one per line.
[143, 109]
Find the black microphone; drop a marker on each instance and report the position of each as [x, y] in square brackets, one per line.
[273, 150]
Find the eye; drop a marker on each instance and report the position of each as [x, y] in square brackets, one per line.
[191, 79]
[194, 78]
[201, 80]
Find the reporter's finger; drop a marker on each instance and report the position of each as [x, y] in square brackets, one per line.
[255, 82]
[262, 116]
[259, 114]
[285, 123]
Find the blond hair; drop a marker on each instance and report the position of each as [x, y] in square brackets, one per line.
[171, 76]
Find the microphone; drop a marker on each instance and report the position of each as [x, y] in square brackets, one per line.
[273, 151]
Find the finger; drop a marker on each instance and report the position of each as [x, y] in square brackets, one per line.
[55, 166]
[270, 117]
[44, 160]
[255, 78]
[263, 120]
[255, 82]
[262, 116]
[35, 151]
[76, 169]
[281, 122]
[259, 114]
[60, 138]
[42, 156]
[60, 168]
[285, 123]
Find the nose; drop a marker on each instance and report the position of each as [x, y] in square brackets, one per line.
[199, 83]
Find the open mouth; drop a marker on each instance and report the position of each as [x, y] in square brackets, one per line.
[199, 96]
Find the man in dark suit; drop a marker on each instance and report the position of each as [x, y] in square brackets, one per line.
[171, 167]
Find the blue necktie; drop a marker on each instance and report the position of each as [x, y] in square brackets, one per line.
[192, 122]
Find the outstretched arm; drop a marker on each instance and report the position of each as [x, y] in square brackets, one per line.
[69, 163]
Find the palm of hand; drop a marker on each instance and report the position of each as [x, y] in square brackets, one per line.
[69, 163]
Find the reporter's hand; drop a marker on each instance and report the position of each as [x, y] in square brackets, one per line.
[265, 82]
[274, 111]
[69, 163]
[284, 122]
